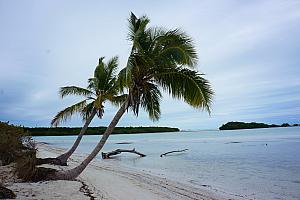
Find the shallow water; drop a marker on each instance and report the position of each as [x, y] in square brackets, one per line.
[254, 164]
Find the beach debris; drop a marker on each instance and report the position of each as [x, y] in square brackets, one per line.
[6, 193]
[177, 151]
[118, 151]
[86, 190]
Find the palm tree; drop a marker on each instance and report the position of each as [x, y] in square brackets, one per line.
[102, 87]
[159, 60]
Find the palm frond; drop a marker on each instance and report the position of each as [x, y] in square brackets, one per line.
[100, 74]
[98, 103]
[136, 26]
[87, 111]
[67, 113]
[112, 66]
[117, 100]
[93, 84]
[74, 90]
[188, 85]
[124, 77]
[150, 101]
[177, 46]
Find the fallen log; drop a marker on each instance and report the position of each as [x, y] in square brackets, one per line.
[118, 151]
[161, 155]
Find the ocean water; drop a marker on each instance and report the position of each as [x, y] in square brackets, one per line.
[252, 164]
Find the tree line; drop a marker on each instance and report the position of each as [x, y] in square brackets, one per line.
[63, 131]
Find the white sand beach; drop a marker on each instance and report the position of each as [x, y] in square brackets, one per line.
[103, 181]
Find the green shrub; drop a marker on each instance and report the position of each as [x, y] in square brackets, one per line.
[11, 139]
[17, 146]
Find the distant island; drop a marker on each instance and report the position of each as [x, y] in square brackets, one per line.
[251, 125]
[62, 131]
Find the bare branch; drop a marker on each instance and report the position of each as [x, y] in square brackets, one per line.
[164, 154]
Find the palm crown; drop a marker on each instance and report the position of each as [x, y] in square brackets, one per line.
[162, 59]
[102, 87]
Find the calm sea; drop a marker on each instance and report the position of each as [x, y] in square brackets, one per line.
[255, 164]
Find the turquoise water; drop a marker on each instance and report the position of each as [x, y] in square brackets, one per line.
[253, 164]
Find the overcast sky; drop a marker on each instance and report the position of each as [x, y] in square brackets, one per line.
[249, 51]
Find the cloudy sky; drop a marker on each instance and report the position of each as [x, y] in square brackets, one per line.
[249, 50]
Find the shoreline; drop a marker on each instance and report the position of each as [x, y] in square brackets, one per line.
[109, 182]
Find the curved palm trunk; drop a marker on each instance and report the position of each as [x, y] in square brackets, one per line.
[64, 157]
[75, 172]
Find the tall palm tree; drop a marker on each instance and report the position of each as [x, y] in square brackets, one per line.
[102, 87]
[159, 60]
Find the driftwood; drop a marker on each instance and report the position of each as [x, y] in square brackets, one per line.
[164, 154]
[118, 151]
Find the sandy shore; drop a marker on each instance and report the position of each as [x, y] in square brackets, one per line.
[104, 181]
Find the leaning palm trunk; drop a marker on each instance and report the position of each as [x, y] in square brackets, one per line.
[64, 157]
[75, 172]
